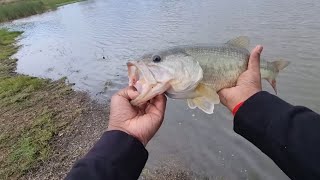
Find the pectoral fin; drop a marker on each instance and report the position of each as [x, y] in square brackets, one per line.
[191, 104]
[205, 100]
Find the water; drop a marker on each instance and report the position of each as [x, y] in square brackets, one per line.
[73, 40]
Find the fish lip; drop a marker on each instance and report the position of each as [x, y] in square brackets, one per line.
[144, 81]
[132, 73]
[143, 69]
[151, 92]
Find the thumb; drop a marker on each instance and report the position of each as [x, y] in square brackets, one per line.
[254, 60]
[128, 93]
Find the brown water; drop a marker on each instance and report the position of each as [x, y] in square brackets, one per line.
[72, 41]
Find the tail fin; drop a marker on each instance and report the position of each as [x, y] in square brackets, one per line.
[273, 83]
[279, 65]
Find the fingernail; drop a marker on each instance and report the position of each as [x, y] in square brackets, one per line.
[259, 48]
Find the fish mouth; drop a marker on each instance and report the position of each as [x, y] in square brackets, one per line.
[144, 81]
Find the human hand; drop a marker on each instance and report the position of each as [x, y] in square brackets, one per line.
[248, 83]
[141, 122]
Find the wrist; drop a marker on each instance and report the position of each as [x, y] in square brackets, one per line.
[116, 128]
[237, 102]
[236, 108]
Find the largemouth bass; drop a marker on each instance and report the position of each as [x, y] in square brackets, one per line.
[196, 73]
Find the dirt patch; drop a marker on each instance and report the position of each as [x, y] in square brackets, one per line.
[47, 130]
[75, 139]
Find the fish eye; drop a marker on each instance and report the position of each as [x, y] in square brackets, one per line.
[156, 58]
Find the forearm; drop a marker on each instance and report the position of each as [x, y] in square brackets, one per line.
[287, 134]
[116, 155]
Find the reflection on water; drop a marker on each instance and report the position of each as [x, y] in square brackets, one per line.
[73, 40]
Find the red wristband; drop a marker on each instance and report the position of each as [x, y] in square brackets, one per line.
[236, 108]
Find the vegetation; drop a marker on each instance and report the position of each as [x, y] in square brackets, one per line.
[7, 48]
[10, 10]
[30, 113]
[33, 111]
[31, 146]
[20, 145]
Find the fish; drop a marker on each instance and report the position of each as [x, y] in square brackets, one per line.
[196, 72]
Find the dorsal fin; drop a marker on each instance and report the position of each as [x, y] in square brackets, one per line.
[241, 41]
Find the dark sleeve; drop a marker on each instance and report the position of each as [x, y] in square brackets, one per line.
[116, 155]
[289, 135]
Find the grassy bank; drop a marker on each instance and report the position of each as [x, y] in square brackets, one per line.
[32, 112]
[22, 143]
[10, 10]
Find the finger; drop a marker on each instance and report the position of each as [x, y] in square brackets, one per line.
[254, 60]
[222, 95]
[120, 103]
[128, 93]
[159, 102]
[143, 107]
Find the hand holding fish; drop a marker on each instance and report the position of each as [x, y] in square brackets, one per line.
[141, 122]
[248, 84]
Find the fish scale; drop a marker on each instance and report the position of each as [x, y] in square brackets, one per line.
[221, 65]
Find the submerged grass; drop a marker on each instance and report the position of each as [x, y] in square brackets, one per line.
[22, 8]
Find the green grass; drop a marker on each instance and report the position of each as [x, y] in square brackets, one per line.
[20, 9]
[32, 112]
[52, 4]
[18, 88]
[7, 49]
[20, 84]
[32, 146]
[26, 131]
[8, 37]
[23, 8]
[13, 88]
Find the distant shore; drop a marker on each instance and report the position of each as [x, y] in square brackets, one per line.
[14, 9]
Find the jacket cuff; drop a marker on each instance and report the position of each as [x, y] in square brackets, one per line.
[119, 147]
[256, 118]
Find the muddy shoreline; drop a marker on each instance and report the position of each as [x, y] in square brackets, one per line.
[75, 139]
